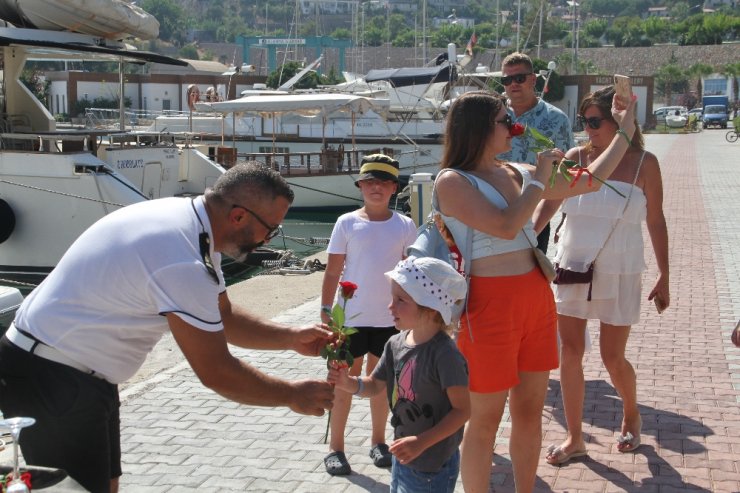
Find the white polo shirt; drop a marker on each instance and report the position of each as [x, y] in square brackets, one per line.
[104, 304]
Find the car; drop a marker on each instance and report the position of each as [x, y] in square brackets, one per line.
[696, 111]
[661, 113]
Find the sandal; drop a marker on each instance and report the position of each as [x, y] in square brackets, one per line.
[556, 456]
[336, 464]
[380, 455]
[628, 442]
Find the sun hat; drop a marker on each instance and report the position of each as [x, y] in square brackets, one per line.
[378, 166]
[431, 282]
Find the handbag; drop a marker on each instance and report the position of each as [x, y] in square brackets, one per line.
[542, 261]
[567, 276]
[430, 243]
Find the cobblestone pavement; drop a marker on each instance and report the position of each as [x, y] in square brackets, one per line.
[178, 436]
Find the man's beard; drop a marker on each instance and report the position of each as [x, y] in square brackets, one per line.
[240, 252]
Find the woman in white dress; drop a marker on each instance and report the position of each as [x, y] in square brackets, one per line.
[605, 228]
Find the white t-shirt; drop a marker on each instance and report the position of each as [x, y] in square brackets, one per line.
[104, 303]
[371, 249]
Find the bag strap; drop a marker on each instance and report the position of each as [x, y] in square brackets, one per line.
[468, 253]
[624, 209]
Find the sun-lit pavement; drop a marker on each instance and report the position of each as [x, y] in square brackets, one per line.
[178, 436]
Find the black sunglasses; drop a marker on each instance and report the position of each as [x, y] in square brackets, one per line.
[594, 121]
[205, 253]
[518, 78]
[506, 121]
[272, 230]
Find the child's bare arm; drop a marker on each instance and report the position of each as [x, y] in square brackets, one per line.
[343, 381]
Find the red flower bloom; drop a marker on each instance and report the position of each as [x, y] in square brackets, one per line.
[517, 129]
[348, 289]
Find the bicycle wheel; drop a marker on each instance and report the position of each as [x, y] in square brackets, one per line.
[731, 136]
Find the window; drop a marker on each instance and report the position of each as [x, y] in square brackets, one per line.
[715, 86]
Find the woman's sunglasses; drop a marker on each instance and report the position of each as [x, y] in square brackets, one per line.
[593, 122]
[518, 78]
[507, 122]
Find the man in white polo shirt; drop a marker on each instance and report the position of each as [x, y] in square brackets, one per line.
[137, 273]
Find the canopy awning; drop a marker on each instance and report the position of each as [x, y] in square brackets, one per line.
[40, 43]
[410, 76]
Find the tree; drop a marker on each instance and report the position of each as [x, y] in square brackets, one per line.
[36, 83]
[700, 70]
[670, 78]
[170, 15]
[189, 51]
[284, 72]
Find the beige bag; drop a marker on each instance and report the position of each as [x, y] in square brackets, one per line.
[545, 265]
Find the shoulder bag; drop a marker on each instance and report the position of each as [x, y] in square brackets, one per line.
[567, 276]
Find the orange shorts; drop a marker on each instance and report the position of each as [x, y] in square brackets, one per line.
[513, 324]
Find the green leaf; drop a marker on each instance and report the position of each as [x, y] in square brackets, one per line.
[337, 315]
[348, 331]
[324, 352]
[540, 139]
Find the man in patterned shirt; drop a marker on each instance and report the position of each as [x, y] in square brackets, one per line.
[526, 108]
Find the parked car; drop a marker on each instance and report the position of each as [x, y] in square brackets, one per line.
[661, 113]
[696, 111]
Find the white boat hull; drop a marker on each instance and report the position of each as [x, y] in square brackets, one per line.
[54, 198]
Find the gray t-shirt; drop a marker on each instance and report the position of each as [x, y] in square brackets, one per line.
[416, 380]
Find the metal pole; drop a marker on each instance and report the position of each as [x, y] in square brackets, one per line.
[539, 36]
[121, 106]
[518, 22]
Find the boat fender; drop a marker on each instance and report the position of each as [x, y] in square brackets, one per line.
[7, 220]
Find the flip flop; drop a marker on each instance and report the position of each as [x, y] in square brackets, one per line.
[336, 464]
[628, 442]
[556, 456]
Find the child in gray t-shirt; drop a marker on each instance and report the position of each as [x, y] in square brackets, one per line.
[424, 376]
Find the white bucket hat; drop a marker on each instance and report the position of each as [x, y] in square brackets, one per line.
[431, 283]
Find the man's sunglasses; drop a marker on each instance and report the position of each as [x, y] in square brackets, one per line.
[507, 121]
[518, 78]
[594, 121]
[273, 230]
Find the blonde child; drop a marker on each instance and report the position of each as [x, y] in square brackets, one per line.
[424, 376]
[364, 244]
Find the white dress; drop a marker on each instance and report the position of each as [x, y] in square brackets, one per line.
[617, 280]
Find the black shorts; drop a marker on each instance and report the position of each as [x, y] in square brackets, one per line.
[77, 416]
[370, 340]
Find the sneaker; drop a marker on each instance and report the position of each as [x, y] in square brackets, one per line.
[336, 464]
[380, 455]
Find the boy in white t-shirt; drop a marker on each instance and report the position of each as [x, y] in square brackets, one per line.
[364, 244]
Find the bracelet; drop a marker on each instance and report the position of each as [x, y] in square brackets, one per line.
[626, 137]
[326, 308]
[537, 184]
[360, 386]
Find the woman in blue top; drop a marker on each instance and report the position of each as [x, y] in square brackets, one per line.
[508, 334]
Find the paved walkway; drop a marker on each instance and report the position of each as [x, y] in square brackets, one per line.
[179, 436]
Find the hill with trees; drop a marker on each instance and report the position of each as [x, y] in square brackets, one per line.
[619, 23]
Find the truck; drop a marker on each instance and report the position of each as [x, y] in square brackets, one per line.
[714, 111]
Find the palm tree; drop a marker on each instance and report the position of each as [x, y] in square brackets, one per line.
[700, 70]
[667, 76]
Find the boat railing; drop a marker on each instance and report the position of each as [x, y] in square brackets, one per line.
[110, 118]
[326, 161]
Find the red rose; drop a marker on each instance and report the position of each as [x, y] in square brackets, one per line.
[348, 289]
[517, 129]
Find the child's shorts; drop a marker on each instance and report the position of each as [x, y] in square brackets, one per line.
[370, 340]
[514, 328]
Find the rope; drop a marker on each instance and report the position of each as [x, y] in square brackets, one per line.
[19, 283]
[324, 191]
[61, 193]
